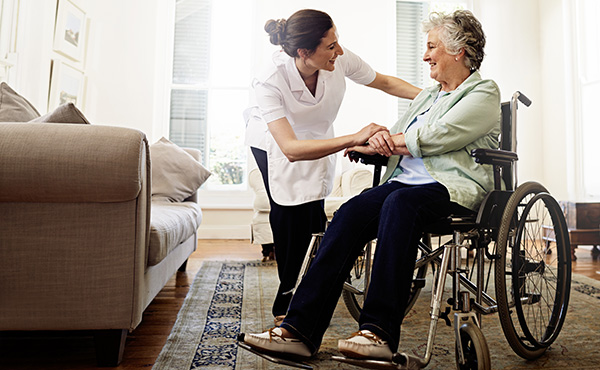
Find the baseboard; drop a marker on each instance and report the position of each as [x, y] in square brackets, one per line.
[224, 232]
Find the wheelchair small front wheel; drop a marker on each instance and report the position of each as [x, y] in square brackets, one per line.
[474, 347]
[532, 286]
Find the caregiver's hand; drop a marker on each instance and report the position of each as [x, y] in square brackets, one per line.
[367, 132]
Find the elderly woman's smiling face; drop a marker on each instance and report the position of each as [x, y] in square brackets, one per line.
[439, 60]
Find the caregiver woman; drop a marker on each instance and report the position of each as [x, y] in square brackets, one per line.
[290, 131]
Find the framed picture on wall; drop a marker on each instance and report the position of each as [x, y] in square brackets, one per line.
[66, 85]
[69, 31]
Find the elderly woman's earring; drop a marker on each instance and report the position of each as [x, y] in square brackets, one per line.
[456, 59]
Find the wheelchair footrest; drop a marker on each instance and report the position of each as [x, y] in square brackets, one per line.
[274, 359]
[368, 364]
[400, 361]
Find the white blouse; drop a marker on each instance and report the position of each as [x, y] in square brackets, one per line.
[280, 92]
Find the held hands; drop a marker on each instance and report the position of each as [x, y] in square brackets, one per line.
[382, 143]
[367, 132]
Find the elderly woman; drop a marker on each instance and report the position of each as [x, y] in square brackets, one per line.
[430, 175]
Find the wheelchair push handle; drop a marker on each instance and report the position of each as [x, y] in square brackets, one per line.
[522, 98]
[376, 159]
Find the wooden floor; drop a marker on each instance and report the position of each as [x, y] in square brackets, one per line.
[50, 351]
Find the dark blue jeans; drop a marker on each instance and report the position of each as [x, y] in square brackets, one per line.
[394, 213]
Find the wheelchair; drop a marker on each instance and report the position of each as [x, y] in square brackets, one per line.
[518, 240]
[508, 239]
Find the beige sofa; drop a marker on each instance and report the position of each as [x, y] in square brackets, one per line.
[346, 185]
[82, 246]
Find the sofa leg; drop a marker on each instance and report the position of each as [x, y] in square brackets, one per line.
[110, 345]
[183, 266]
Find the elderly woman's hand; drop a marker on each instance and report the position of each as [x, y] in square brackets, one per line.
[382, 143]
[362, 136]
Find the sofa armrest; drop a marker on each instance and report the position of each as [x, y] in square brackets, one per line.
[75, 216]
[60, 163]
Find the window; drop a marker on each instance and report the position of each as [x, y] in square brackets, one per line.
[588, 85]
[210, 86]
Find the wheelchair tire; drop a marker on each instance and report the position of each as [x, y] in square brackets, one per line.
[532, 286]
[354, 290]
[475, 349]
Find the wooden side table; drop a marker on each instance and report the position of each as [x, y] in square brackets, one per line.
[583, 222]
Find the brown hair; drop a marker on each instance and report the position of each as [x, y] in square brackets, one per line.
[302, 30]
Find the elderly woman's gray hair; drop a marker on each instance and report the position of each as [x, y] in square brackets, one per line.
[457, 31]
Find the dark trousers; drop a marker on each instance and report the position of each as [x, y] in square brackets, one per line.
[395, 214]
[292, 228]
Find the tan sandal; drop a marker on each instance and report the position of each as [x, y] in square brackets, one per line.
[366, 345]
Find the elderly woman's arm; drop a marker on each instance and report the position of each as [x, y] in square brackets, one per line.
[474, 116]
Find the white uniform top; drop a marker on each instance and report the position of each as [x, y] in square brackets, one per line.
[281, 92]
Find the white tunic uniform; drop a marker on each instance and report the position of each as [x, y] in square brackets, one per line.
[281, 92]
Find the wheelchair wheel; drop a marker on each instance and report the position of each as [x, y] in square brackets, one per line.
[357, 284]
[475, 349]
[532, 286]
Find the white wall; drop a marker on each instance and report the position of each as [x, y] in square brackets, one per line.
[124, 68]
[513, 61]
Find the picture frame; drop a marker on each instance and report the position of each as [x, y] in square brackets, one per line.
[66, 85]
[70, 31]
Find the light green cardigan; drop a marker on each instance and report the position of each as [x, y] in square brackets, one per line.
[465, 119]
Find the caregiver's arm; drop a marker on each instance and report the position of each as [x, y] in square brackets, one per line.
[394, 86]
[298, 150]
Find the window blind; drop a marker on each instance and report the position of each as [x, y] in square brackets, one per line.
[188, 126]
[191, 67]
[410, 45]
[192, 42]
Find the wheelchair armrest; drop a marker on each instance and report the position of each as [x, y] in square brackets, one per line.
[494, 156]
[376, 159]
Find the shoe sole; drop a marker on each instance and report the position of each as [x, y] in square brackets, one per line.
[360, 356]
[261, 350]
[275, 359]
[352, 354]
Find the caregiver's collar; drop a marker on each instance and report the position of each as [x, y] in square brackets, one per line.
[295, 80]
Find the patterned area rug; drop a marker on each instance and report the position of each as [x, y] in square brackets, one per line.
[231, 297]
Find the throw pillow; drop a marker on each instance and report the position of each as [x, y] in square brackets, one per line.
[66, 113]
[176, 175]
[14, 107]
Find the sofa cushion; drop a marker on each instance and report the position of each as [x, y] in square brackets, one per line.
[176, 175]
[66, 113]
[14, 107]
[170, 225]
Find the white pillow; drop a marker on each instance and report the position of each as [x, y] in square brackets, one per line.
[176, 175]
